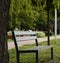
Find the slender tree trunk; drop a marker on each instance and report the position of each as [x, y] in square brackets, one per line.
[4, 9]
[48, 25]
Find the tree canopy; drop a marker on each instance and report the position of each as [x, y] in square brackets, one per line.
[30, 14]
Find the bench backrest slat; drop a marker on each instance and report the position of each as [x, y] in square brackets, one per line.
[25, 38]
[24, 35]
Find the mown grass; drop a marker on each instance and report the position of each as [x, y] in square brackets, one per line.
[44, 56]
[9, 40]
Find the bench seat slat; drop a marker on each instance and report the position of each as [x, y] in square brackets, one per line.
[39, 48]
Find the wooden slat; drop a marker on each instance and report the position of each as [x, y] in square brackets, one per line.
[24, 33]
[25, 38]
[39, 48]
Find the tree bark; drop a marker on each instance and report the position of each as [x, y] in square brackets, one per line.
[4, 11]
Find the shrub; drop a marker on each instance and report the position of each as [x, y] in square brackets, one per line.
[40, 34]
[50, 33]
[9, 32]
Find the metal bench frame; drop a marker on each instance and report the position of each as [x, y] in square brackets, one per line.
[31, 50]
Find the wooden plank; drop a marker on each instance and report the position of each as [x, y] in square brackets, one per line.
[39, 48]
[24, 33]
[25, 38]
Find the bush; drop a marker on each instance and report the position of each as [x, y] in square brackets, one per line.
[50, 33]
[9, 32]
[40, 34]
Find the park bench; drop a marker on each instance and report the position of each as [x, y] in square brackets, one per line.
[20, 36]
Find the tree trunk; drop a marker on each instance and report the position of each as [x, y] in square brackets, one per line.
[4, 11]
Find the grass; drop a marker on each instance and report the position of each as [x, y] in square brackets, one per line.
[9, 40]
[44, 56]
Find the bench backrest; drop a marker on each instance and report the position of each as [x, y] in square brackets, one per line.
[24, 35]
[19, 36]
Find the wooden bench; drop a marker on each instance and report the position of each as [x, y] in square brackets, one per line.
[19, 36]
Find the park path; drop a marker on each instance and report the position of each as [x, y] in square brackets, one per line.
[11, 44]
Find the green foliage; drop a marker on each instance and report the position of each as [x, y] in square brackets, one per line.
[42, 20]
[29, 14]
[50, 33]
[49, 4]
[56, 3]
[14, 14]
[40, 34]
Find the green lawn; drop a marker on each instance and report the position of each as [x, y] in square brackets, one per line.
[44, 56]
[9, 40]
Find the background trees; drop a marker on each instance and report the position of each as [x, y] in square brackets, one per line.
[29, 14]
[25, 14]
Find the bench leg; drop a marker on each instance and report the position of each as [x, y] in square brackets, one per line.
[51, 52]
[18, 58]
[36, 56]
